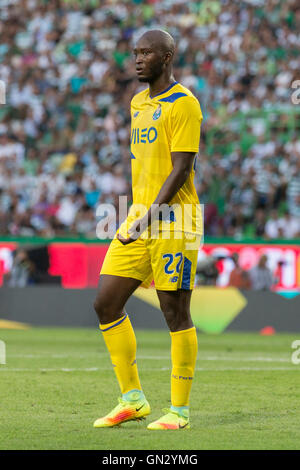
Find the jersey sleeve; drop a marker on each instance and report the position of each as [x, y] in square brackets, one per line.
[131, 107]
[186, 118]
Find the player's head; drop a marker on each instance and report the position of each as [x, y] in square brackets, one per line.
[154, 53]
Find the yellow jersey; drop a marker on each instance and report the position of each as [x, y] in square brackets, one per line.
[161, 124]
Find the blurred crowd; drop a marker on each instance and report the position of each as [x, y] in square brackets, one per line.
[65, 128]
[259, 277]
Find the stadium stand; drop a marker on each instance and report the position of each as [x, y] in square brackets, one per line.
[65, 128]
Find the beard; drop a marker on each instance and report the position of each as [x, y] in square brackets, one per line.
[153, 73]
[144, 79]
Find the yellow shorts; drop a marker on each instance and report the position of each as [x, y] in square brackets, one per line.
[170, 263]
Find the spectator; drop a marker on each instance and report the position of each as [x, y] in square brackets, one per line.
[261, 276]
[207, 271]
[289, 226]
[65, 131]
[238, 277]
[21, 271]
[273, 227]
[259, 222]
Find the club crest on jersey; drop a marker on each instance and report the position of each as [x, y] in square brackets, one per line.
[136, 114]
[157, 113]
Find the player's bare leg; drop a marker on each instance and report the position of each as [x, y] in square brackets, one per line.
[176, 308]
[112, 295]
[119, 338]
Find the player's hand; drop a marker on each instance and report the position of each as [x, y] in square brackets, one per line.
[135, 231]
[125, 241]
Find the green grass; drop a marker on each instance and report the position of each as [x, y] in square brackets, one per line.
[56, 382]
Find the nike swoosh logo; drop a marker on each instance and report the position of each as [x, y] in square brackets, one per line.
[138, 409]
[181, 427]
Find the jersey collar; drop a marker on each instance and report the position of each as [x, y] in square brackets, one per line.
[162, 92]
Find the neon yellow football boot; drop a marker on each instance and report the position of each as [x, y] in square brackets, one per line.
[171, 420]
[127, 410]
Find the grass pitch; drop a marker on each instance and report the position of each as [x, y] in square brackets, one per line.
[56, 382]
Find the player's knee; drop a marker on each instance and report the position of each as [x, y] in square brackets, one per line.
[102, 309]
[177, 318]
[96, 306]
[105, 310]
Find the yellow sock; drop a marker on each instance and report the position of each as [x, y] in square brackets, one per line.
[184, 353]
[120, 340]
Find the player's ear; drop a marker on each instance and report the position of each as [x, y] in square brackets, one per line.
[168, 57]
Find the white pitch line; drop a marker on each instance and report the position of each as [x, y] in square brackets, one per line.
[63, 369]
[244, 359]
[224, 358]
[97, 369]
[155, 358]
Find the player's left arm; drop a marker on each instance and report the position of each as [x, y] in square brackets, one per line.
[185, 122]
[182, 166]
[185, 125]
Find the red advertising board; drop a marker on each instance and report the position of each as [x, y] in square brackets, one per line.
[79, 264]
[283, 261]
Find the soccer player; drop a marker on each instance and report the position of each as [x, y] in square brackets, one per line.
[155, 243]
